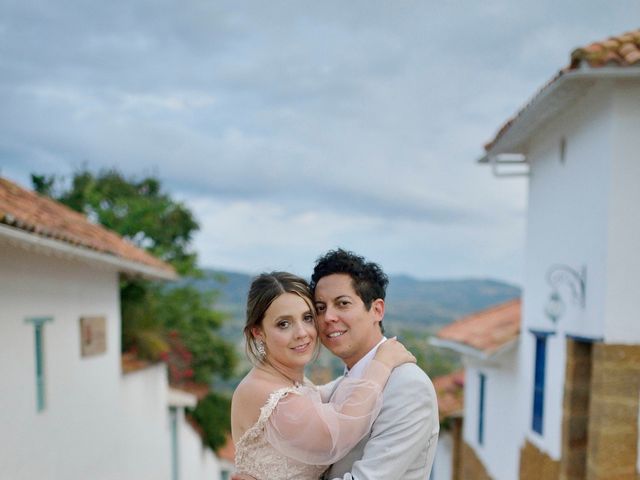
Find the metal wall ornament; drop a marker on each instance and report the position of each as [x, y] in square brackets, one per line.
[576, 283]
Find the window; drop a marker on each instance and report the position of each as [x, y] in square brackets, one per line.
[483, 380]
[538, 380]
[38, 324]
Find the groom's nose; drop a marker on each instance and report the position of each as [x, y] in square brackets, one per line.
[329, 314]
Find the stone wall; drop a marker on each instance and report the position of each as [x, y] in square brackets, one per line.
[536, 465]
[456, 434]
[575, 410]
[612, 450]
[472, 466]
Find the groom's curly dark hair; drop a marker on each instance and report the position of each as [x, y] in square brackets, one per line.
[367, 278]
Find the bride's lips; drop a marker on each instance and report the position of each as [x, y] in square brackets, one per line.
[301, 348]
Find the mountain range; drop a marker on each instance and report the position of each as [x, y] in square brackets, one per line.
[410, 303]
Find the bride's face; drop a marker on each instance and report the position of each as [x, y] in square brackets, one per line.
[288, 331]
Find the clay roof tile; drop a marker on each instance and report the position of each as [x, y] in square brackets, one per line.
[488, 330]
[26, 210]
[450, 393]
[619, 51]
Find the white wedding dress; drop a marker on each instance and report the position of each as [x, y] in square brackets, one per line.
[299, 434]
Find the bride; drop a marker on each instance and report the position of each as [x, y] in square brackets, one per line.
[282, 425]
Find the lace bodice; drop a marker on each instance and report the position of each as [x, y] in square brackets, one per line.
[299, 433]
[255, 456]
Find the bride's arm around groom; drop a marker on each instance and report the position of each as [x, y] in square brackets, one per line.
[403, 438]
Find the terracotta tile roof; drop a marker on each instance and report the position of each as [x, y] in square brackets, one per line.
[38, 215]
[131, 363]
[488, 330]
[619, 51]
[450, 393]
[623, 50]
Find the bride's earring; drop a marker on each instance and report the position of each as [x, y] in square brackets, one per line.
[260, 348]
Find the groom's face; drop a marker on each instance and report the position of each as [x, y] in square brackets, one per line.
[347, 327]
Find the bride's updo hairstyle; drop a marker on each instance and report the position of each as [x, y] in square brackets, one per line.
[265, 288]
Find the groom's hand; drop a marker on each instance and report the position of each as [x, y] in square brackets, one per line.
[241, 476]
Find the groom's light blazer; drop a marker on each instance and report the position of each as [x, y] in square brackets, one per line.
[402, 441]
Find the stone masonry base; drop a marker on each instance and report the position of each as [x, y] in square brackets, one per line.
[472, 467]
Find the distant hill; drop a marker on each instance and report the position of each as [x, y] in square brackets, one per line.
[411, 303]
[439, 302]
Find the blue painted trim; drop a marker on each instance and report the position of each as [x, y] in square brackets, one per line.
[537, 417]
[542, 333]
[580, 338]
[38, 341]
[40, 398]
[175, 451]
[38, 320]
[483, 381]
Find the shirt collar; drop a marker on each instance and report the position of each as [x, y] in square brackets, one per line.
[361, 365]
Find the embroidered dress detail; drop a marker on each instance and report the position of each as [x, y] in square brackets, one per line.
[256, 457]
[297, 435]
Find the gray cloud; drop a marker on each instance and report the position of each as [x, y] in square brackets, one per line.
[367, 112]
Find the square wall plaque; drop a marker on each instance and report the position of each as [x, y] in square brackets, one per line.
[93, 336]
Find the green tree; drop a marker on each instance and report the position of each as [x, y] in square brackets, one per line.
[140, 211]
[433, 360]
[213, 414]
[137, 209]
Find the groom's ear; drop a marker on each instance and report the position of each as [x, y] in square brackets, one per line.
[377, 308]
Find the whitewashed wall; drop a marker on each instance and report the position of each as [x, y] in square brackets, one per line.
[82, 393]
[582, 213]
[196, 462]
[144, 449]
[503, 436]
[443, 464]
[97, 423]
[623, 227]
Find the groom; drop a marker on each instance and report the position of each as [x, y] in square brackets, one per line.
[349, 295]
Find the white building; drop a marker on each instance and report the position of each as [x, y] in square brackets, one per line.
[67, 410]
[575, 414]
[490, 438]
[450, 391]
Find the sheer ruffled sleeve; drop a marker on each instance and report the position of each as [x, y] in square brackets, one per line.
[305, 429]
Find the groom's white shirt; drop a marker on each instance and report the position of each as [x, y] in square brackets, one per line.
[402, 441]
[357, 371]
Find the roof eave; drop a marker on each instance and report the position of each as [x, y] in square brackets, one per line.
[181, 399]
[464, 349]
[566, 88]
[459, 347]
[56, 247]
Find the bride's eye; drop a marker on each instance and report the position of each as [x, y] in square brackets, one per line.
[283, 324]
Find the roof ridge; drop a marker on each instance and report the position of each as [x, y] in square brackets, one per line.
[623, 50]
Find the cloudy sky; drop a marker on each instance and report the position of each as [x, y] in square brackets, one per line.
[292, 127]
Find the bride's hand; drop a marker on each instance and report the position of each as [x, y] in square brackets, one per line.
[392, 353]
